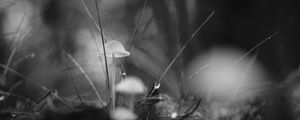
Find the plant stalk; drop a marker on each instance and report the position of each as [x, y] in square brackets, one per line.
[113, 83]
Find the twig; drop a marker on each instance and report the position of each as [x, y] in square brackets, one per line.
[77, 92]
[44, 97]
[55, 96]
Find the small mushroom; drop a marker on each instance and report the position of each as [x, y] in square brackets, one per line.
[114, 49]
[131, 85]
[123, 114]
[174, 115]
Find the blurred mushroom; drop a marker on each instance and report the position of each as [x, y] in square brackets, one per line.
[123, 114]
[131, 85]
[114, 49]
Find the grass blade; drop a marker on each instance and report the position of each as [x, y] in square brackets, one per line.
[256, 46]
[136, 28]
[184, 46]
[74, 85]
[13, 51]
[99, 28]
[103, 46]
[190, 77]
[85, 75]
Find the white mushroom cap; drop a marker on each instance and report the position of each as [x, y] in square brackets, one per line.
[174, 115]
[123, 114]
[131, 85]
[115, 47]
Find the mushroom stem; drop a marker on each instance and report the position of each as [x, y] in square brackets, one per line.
[131, 102]
[113, 83]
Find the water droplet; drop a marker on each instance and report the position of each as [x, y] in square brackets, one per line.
[2, 98]
[156, 85]
[13, 115]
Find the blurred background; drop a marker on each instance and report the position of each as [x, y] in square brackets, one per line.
[239, 24]
[153, 31]
[41, 39]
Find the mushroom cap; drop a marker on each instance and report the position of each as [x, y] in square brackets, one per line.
[115, 47]
[131, 85]
[228, 78]
[123, 114]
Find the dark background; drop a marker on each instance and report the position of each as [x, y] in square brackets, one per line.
[243, 24]
[237, 23]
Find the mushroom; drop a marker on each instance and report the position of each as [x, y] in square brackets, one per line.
[114, 49]
[132, 86]
[123, 114]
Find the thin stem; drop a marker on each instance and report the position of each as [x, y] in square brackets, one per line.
[74, 84]
[11, 56]
[190, 77]
[103, 46]
[113, 83]
[85, 75]
[259, 44]
[184, 46]
[15, 46]
[43, 98]
[77, 91]
[93, 35]
[29, 56]
[12, 71]
[62, 100]
[198, 71]
[135, 31]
